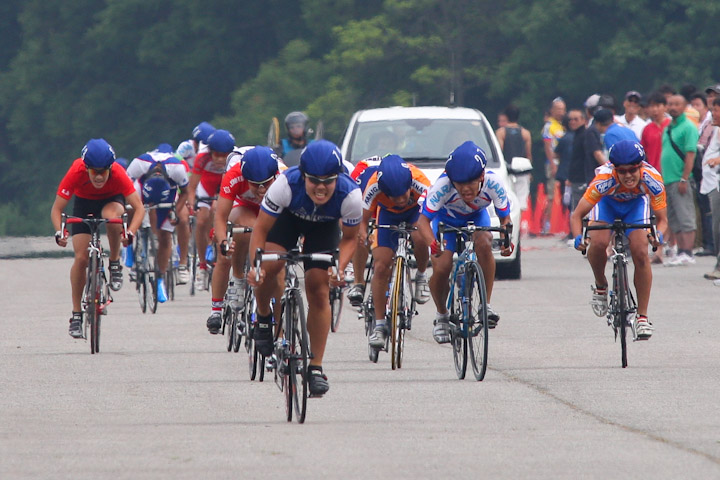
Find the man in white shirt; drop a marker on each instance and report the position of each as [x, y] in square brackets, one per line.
[631, 119]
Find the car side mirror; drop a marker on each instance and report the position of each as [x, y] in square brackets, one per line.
[520, 166]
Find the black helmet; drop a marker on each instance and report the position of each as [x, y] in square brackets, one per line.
[297, 118]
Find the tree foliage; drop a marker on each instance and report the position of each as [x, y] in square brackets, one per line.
[141, 72]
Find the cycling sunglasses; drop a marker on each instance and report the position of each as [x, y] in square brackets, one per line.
[264, 183]
[321, 180]
[627, 170]
[97, 171]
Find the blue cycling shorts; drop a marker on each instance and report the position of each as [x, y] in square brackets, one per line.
[481, 218]
[608, 209]
[388, 238]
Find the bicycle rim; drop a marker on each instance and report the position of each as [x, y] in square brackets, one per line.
[621, 314]
[458, 341]
[477, 322]
[396, 347]
[298, 361]
[170, 283]
[93, 307]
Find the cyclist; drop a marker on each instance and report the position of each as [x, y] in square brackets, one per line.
[362, 172]
[159, 176]
[185, 152]
[101, 188]
[205, 183]
[394, 191]
[306, 200]
[461, 195]
[626, 187]
[243, 188]
[199, 140]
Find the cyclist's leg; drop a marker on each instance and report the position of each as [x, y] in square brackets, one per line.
[422, 252]
[441, 266]
[383, 257]
[164, 236]
[246, 216]
[317, 291]
[183, 235]
[114, 209]
[643, 270]
[78, 271]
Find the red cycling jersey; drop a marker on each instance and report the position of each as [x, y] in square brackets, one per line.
[210, 174]
[235, 187]
[77, 182]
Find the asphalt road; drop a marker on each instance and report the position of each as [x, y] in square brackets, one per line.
[164, 399]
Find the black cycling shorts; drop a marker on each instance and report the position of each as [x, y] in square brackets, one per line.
[320, 237]
[84, 207]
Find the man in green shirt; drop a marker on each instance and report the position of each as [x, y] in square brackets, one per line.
[679, 144]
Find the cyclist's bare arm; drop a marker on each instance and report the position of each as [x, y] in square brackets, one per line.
[363, 232]
[423, 225]
[582, 209]
[56, 218]
[222, 213]
[181, 200]
[662, 224]
[348, 244]
[262, 227]
[191, 189]
[134, 201]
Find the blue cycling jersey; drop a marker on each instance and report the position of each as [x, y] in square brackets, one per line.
[288, 192]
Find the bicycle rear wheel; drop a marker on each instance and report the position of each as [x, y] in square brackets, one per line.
[229, 324]
[396, 333]
[170, 283]
[477, 322]
[336, 304]
[621, 314]
[296, 336]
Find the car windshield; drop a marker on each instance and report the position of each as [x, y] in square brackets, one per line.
[425, 142]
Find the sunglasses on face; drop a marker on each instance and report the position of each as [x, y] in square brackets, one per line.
[627, 170]
[264, 183]
[321, 180]
[98, 171]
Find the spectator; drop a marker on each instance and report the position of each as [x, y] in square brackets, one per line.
[515, 140]
[679, 143]
[709, 185]
[594, 151]
[712, 93]
[552, 132]
[502, 120]
[616, 132]
[691, 114]
[651, 138]
[577, 174]
[631, 117]
[699, 102]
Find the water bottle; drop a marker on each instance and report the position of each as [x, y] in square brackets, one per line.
[128, 255]
[209, 254]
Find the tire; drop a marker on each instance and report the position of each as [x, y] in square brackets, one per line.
[93, 306]
[458, 341]
[396, 335]
[170, 283]
[141, 288]
[510, 270]
[336, 304]
[151, 277]
[229, 322]
[477, 323]
[369, 317]
[621, 314]
[151, 288]
[296, 336]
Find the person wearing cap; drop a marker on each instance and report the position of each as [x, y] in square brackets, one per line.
[319, 201]
[101, 188]
[594, 147]
[394, 194]
[462, 194]
[712, 92]
[625, 188]
[251, 172]
[631, 117]
[160, 177]
[204, 186]
[614, 132]
[679, 145]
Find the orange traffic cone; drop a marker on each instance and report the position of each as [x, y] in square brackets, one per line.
[537, 216]
[526, 218]
[559, 218]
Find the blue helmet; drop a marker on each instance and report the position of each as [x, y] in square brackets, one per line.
[123, 162]
[394, 176]
[321, 158]
[156, 190]
[164, 148]
[626, 152]
[186, 150]
[467, 162]
[202, 132]
[97, 153]
[221, 141]
[259, 164]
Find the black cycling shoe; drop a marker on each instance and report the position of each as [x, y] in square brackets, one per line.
[317, 382]
[214, 323]
[116, 276]
[263, 335]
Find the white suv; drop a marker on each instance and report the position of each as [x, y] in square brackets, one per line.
[425, 136]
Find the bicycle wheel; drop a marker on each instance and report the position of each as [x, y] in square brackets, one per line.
[621, 313]
[369, 316]
[193, 258]
[245, 320]
[406, 310]
[170, 283]
[336, 304]
[477, 322]
[92, 312]
[139, 269]
[396, 333]
[296, 336]
[229, 324]
[458, 341]
[151, 277]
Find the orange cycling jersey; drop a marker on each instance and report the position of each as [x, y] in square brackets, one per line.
[374, 197]
[607, 183]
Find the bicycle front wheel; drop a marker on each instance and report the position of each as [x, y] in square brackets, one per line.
[92, 312]
[458, 340]
[477, 322]
[296, 336]
[621, 313]
[396, 332]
